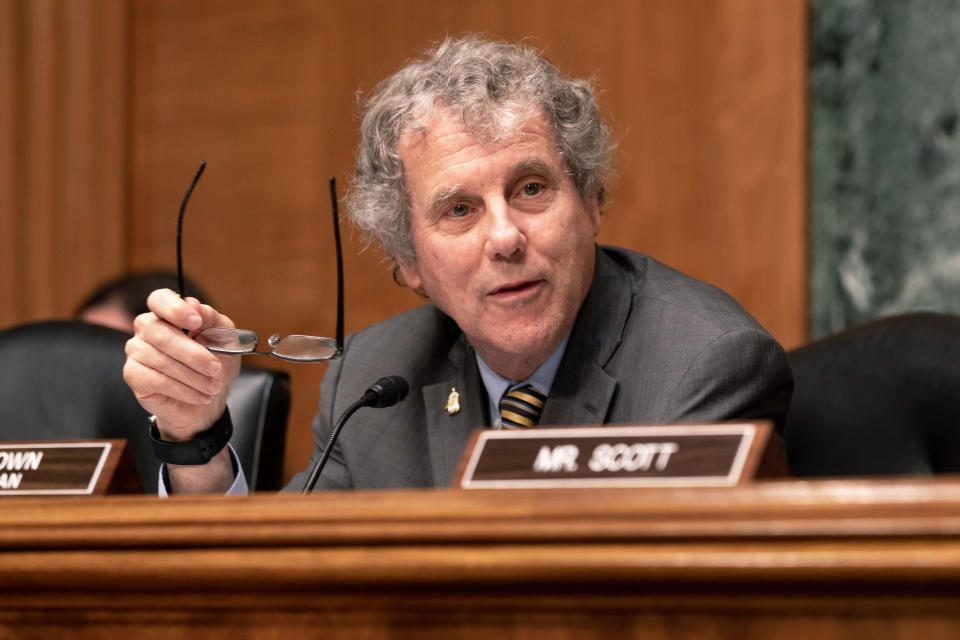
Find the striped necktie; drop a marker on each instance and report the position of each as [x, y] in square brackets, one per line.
[520, 408]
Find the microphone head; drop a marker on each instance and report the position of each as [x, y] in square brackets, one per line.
[388, 391]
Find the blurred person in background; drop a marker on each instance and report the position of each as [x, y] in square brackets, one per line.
[117, 302]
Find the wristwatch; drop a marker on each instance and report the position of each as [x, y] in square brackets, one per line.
[199, 450]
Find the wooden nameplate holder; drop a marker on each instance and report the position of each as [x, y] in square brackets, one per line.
[61, 468]
[688, 455]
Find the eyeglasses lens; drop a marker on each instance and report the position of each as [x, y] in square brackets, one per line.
[308, 348]
[224, 340]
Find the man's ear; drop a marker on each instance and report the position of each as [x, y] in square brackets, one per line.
[593, 211]
[410, 273]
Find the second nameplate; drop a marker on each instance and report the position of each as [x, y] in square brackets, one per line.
[722, 454]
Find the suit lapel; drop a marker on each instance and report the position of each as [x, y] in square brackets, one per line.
[579, 397]
[448, 433]
[582, 392]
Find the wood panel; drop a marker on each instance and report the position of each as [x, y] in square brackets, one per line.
[826, 559]
[63, 161]
[8, 162]
[706, 100]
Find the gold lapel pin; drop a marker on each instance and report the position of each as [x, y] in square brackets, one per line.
[453, 401]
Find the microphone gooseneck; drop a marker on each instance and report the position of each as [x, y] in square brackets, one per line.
[385, 392]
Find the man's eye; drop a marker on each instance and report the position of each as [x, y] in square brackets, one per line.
[459, 210]
[531, 188]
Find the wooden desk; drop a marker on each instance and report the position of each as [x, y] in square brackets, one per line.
[772, 560]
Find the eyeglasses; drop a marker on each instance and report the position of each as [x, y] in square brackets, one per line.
[295, 348]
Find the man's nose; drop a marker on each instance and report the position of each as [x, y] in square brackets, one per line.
[505, 237]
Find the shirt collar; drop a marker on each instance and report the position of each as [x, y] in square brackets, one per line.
[541, 379]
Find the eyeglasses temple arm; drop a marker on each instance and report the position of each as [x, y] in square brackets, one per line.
[336, 236]
[183, 207]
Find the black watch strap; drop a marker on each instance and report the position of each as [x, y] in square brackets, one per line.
[199, 450]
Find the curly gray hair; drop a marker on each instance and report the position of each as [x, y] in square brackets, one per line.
[493, 87]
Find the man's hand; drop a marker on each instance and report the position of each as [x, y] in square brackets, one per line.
[179, 380]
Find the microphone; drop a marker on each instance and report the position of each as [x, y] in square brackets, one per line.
[385, 392]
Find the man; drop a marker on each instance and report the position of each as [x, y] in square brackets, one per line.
[481, 171]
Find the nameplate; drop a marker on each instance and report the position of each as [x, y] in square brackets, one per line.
[633, 456]
[64, 468]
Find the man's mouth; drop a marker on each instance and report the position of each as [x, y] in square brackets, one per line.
[515, 287]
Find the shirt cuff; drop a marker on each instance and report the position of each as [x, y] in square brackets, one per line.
[238, 488]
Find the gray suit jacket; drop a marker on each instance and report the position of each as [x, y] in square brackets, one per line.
[650, 345]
